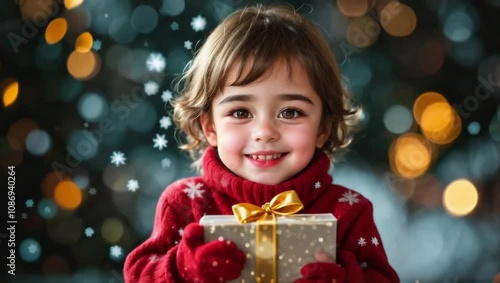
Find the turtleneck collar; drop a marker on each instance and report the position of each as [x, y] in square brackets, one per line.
[309, 184]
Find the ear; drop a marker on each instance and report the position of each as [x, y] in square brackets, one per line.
[208, 128]
[324, 132]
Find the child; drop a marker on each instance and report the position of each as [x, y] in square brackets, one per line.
[262, 108]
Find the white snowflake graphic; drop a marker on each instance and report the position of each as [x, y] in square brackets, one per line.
[118, 158]
[89, 232]
[364, 265]
[375, 241]
[160, 142]
[188, 44]
[174, 26]
[198, 23]
[362, 241]
[151, 88]
[317, 185]
[154, 258]
[166, 95]
[132, 185]
[165, 163]
[180, 232]
[29, 203]
[193, 190]
[92, 191]
[32, 249]
[165, 122]
[115, 251]
[156, 62]
[349, 197]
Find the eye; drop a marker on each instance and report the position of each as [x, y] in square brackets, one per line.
[290, 114]
[240, 114]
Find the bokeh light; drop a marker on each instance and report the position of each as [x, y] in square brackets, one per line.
[474, 128]
[458, 26]
[83, 66]
[425, 100]
[10, 92]
[18, 131]
[398, 19]
[354, 8]
[38, 14]
[30, 250]
[144, 19]
[71, 4]
[440, 123]
[38, 142]
[460, 197]
[398, 119]
[56, 30]
[67, 195]
[84, 42]
[172, 7]
[92, 107]
[410, 155]
[112, 230]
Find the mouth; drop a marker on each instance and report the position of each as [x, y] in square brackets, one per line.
[266, 157]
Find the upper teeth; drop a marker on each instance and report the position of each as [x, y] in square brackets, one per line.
[266, 157]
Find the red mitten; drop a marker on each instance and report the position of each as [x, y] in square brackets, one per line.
[213, 262]
[321, 272]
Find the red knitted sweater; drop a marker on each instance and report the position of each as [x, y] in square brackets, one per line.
[214, 192]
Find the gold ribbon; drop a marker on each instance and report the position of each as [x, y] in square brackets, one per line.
[285, 203]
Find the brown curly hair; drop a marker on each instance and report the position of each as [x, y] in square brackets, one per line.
[260, 36]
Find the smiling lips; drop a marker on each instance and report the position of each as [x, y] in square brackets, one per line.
[266, 160]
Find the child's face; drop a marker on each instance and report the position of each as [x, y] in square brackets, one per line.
[266, 131]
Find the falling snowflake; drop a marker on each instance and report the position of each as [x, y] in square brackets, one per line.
[151, 88]
[92, 191]
[174, 26]
[317, 185]
[188, 44]
[375, 241]
[156, 62]
[115, 252]
[160, 142]
[166, 96]
[362, 241]
[193, 190]
[118, 158]
[132, 185]
[89, 232]
[154, 258]
[165, 163]
[198, 23]
[32, 249]
[349, 197]
[180, 232]
[165, 122]
[29, 203]
[364, 265]
[96, 45]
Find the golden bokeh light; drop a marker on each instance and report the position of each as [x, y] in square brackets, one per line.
[56, 30]
[362, 31]
[71, 4]
[10, 93]
[83, 66]
[460, 197]
[18, 131]
[423, 101]
[84, 42]
[449, 123]
[437, 117]
[67, 195]
[112, 230]
[398, 19]
[410, 155]
[354, 8]
[36, 11]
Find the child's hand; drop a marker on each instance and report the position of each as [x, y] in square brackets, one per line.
[216, 261]
[323, 271]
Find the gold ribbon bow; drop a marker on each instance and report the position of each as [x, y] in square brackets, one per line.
[285, 203]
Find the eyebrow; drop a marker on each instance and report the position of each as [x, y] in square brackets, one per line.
[283, 97]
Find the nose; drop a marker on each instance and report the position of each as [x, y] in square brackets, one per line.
[265, 131]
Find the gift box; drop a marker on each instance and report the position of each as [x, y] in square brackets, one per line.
[297, 237]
